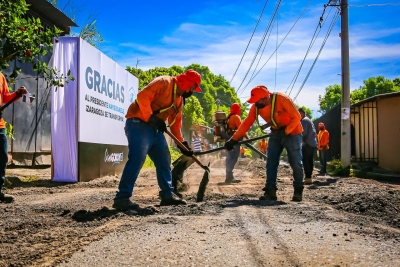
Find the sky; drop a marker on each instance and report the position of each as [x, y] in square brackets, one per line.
[156, 33]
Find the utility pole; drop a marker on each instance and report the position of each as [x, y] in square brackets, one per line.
[345, 105]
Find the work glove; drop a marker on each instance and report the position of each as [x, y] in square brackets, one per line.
[187, 153]
[230, 144]
[158, 123]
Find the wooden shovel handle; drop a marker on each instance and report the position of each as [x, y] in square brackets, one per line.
[183, 147]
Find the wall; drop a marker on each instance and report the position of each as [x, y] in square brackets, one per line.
[389, 133]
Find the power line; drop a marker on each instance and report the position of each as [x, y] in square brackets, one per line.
[312, 42]
[269, 26]
[301, 14]
[331, 26]
[366, 5]
[248, 44]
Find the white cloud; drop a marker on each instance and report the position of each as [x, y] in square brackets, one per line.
[221, 48]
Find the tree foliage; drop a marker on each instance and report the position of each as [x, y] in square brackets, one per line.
[371, 87]
[216, 93]
[23, 37]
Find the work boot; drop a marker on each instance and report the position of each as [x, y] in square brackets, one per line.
[232, 181]
[298, 194]
[124, 204]
[6, 198]
[308, 180]
[270, 194]
[172, 201]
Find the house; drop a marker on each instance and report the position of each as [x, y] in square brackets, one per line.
[375, 130]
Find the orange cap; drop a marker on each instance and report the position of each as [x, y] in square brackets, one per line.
[235, 109]
[195, 77]
[187, 79]
[258, 92]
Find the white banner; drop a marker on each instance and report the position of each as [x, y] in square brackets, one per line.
[105, 92]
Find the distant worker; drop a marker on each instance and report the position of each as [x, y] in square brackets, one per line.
[5, 97]
[278, 109]
[233, 123]
[309, 146]
[263, 146]
[196, 144]
[160, 100]
[242, 150]
[323, 146]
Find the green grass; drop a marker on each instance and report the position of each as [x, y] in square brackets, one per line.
[148, 163]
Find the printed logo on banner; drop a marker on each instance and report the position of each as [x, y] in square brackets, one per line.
[131, 94]
[114, 158]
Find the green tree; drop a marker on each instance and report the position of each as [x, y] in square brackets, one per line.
[306, 110]
[378, 85]
[217, 93]
[24, 38]
[331, 98]
[74, 9]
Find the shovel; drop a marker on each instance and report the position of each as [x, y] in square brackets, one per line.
[205, 179]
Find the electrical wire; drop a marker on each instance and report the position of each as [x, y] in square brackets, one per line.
[248, 44]
[259, 59]
[301, 14]
[331, 26]
[367, 5]
[313, 39]
[268, 29]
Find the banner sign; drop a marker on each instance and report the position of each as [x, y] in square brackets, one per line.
[105, 92]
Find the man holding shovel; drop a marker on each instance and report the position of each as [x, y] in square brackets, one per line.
[278, 110]
[5, 97]
[162, 99]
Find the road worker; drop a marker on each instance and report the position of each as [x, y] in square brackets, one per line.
[308, 147]
[233, 123]
[162, 99]
[242, 150]
[5, 97]
[263, 146]
[323, 146]
[278, 109]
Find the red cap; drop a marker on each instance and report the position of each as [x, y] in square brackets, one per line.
[258, 92]
[194, 77]
[235, 109]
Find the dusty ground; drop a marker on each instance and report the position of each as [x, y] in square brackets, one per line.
[341, 222]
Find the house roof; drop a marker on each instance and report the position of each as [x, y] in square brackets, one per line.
[51, 13]
[376, 97]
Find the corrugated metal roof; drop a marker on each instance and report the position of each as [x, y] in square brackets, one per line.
[375, 97]
[53, 14]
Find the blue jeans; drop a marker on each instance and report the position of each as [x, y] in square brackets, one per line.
[144, 139]
[230, 161]
[292, 143]
[322, 159]
[3, 157]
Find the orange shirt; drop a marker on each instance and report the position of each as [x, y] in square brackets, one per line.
[5, 96]
[285, 114]
[323, 139]
[157, 95]
[241, 150]
[234, 122]
[262, 145]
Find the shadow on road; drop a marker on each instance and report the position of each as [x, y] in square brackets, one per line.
[257, 203]
[318, 184]
[104, 212]
[31, 181]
